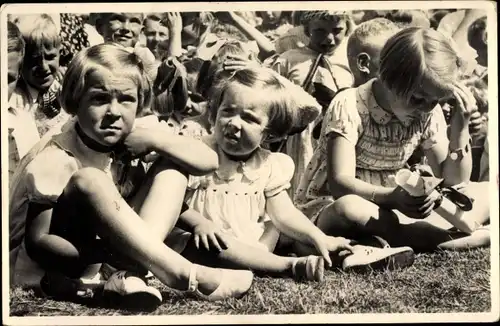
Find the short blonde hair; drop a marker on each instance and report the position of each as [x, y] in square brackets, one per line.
[291, 109]
[328, 15]
[364, 33]
[38, 31]
[111, 58]
[416, 54]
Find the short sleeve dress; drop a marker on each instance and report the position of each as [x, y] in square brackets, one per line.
[382, 142]
[234, 196]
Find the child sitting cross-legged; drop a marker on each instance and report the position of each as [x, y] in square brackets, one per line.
[83, 199]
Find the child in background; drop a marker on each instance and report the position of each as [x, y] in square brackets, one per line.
[364, 46]
[81, 185]
[363, 52]
[478, 39]
[157, 34]
[38, 90]
[369, 133]
[163, 34]
[238, 211]
[23, 133]
[327, 31]
[224, 55]
[120, 27]
[125, 29]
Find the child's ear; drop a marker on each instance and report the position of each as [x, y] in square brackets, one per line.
[363, 62]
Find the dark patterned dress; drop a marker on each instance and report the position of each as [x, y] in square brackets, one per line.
[73, 37]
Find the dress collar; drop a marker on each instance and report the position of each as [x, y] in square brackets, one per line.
[229, 169]
[378, 114]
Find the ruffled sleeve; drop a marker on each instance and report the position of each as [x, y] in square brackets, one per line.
[282, 168]
[343, 117]
[435, 130]
[48, 174]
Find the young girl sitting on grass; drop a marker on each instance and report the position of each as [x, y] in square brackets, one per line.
[80, 202]
[238, 209]
[368, 134]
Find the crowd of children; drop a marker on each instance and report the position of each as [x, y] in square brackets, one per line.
[202, 148]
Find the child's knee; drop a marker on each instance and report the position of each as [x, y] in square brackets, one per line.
[87, 180]
[348, 206]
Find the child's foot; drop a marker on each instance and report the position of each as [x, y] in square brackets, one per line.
[310, 268]
[128, 290]
[61, 287]
[233, 284]
[365, 258]
[477, 239]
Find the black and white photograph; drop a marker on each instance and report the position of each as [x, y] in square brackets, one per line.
[249, 162]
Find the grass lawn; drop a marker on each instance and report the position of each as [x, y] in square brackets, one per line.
[439, 282]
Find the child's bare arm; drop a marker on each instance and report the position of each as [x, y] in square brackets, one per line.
[292, 222]
[455, 170]
[341, 170]
[192, 155]
[289, 220]
[266, 47]
[174, 24]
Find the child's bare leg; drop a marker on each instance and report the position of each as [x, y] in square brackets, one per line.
[351, 214]
[243, 256]
[480, 192]
[91, 196]
[159, 199]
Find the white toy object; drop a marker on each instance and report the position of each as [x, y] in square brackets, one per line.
[417, 185]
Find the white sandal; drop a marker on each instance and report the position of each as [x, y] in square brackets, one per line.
[234, 284]
[365, 258]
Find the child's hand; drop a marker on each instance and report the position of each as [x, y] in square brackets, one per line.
[233, 63]
[207, 231]
[139, 142]
[415, 207]
[173, 21]
[465, 103]
[327, 244]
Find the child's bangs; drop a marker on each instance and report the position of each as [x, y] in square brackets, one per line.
[45, 36]
[103, 59]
